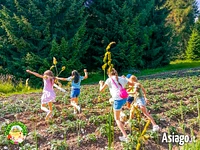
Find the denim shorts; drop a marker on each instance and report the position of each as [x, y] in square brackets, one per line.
[117, 105]
[75, 93]
[141, 101]
[130, 99]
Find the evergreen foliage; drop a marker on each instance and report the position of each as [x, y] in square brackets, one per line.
[182, 18]
[33, 32]
[147, 33]
[193, 49]
[138, 28]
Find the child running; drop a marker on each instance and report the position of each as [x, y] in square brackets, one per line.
[140, 97]
[113, 83]
[75, 88]
[48, 95]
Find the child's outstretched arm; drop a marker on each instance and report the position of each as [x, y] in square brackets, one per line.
[63, 79]
[35, 73]
[86, 74]
[102, 86]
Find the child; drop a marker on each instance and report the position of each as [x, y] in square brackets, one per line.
[140, 96]
[133, 79]
[75, 88]
[113, 83]
[48, 95]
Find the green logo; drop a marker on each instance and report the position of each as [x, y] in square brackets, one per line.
[16, 132]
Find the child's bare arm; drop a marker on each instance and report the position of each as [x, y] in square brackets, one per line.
[102, 86]
[129, 89]
[86, 74]
[145, 97]
[144, 92]
[35, 73]
[63, 79]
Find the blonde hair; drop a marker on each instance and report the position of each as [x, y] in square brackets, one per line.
[134, 78]
[138, 86]
[50, 74]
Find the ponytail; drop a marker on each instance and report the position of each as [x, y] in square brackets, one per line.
[114, 73]
[76, 76]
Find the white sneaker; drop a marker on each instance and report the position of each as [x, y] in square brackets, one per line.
[79, 108]
[127, 123]
[75, 112]
[156, 128]
[123, 139]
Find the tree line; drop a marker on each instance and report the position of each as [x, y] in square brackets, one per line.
[148, 33]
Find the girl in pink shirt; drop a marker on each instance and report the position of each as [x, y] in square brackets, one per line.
[48, 95]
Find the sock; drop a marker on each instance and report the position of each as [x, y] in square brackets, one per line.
[44, 109]
[74, 104]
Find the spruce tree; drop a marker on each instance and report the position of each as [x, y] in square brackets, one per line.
[181, 18]
[33, 32]
[193, 49]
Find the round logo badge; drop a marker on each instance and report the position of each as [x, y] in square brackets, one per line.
[16, 132]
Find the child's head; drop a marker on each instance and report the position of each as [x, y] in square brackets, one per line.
[49, 73]
[112, 72]
[75, 76]
[132, 78]
[137, 86]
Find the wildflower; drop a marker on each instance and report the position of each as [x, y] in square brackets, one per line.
[109, 55]
[54, 61]
[108, 47]
[109, 62]
[52, 67]
[63, 68]
[104, 66]
[27, 82]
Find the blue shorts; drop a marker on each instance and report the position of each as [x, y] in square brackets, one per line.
[141, 101]
[130, 99]
[117, 105]
[75, 93]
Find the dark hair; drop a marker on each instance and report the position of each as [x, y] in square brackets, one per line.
[76, 76]
[113, 72]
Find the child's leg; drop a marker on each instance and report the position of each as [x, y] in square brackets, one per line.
[73, 103]
[74, 98]
[44, 108]
[145, 112]
[119, 123]
[128, 104]
[50, 111]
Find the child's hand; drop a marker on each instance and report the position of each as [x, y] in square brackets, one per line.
[101, 82]
[28, 71]
[85, 70]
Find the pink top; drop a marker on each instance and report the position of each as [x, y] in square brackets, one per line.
[48, 91]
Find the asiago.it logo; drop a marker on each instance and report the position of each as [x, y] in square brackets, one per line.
[174, 138]
[16, 132]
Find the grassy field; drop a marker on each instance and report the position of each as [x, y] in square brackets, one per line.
[94, 77]
[174, 104]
